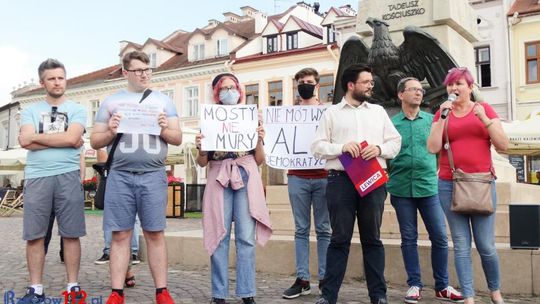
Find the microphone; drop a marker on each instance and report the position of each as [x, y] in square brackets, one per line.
[451, 98]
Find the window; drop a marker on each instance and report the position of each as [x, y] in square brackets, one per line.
[222, 47]
[532, 60]
[4, 136]
[95, 106]
[331, 34]
[271, 44]
[191, 104]
[326, 90]
[252, 94]
[275, 93]
[169, 93]
[292, 41]
[483, 66]
[198, 51]
[153, 60]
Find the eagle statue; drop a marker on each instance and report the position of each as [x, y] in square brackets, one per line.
[420, 55]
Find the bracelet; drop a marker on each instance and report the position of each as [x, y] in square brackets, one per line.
[489, 124]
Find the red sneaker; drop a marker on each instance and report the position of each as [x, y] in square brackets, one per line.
[115, 298]
[164, 298]
[449, 294]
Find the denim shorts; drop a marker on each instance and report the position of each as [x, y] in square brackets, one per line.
[129, 193]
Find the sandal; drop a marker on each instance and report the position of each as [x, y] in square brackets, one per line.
[130, 282]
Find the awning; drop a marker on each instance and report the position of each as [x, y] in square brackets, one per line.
[524, 135]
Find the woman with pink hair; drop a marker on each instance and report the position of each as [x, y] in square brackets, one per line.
[472, 128]
[233, 192]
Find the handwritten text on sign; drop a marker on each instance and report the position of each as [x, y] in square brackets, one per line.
[229, 128]
[139, 118]
[289, 133]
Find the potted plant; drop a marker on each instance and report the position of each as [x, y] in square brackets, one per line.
[90, 184]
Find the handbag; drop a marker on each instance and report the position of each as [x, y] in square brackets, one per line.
[104, 168]
[471, 191]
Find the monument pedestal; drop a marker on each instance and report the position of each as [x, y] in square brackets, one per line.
[452, 22]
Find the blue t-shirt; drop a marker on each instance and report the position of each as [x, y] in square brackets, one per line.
[137, 152]
[52, 119]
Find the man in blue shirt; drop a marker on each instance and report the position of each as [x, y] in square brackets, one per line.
[51, 131]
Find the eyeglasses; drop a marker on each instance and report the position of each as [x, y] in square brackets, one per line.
[414, 89]
[226, 89]
[54, 113]
[366, 82]
[139, 72]
[461, 69]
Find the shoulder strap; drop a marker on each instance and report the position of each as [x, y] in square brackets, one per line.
[447, 145]
[117, 140]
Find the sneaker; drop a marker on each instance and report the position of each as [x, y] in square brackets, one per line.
[80, 295]
[249, 300]
[218, 301]
[104, 259]
[322, 301]
[299, 288]
[414, 294]
[115, 298]
[320, 287]
[164, 298]
[449, 294]
[135, 259]
[31, 297]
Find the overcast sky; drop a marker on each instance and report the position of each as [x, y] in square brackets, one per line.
[84, 35]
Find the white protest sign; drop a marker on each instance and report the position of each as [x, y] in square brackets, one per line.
[289, 133]
[229, 128]
[139, 118]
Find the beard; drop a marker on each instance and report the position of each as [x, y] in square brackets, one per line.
[56, 95]
[361, 96]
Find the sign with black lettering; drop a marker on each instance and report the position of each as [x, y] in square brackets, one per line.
[229, 128]
[519, 163]
[289, 133]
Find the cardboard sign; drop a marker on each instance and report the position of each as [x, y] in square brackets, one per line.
[290, 130]
[229, 128]
[366, 175]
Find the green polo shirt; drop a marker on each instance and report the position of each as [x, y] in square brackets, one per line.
[413, 172]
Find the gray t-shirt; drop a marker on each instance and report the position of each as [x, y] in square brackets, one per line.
[137, 152]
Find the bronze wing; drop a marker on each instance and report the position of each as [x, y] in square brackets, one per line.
[424, 57]
[353, 51]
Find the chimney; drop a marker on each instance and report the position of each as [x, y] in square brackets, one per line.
[212, 23]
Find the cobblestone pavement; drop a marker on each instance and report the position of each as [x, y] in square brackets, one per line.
[187, 285]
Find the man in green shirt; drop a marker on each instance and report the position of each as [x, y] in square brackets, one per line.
[413, 188]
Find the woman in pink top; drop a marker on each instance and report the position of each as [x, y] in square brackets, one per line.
[234, 192]
[472, 128]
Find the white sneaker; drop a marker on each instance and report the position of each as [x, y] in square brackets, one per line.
[414, 294]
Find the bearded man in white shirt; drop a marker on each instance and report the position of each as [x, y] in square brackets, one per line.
[341, 130]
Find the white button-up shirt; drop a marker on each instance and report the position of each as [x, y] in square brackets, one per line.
[343, 123]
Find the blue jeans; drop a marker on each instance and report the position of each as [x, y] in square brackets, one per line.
[345, 206]
[235, 208]
[303, 193]
[483, 227]
[433, 217]
[107, 235]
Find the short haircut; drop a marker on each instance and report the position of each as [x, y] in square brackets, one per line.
[401, 84]
[138, 55]
[49, 64]
[350, 74]
[307, 72]
[457, 73]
